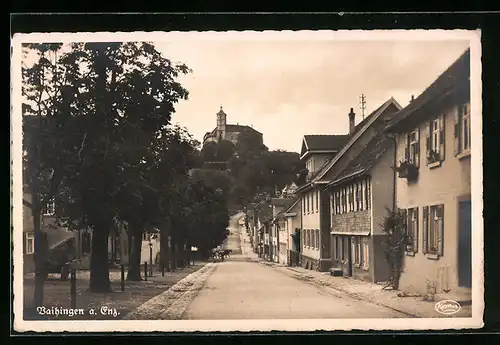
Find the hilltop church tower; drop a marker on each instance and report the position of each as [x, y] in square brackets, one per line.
[221, 124]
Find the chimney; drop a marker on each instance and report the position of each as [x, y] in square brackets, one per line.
[351, 121]
[412, 98]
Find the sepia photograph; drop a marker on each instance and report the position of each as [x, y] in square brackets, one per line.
[247, 181]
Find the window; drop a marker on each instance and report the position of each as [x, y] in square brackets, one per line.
[435, 140]
[412, 230]
[356, 250]
[412, 154]
[366, 254]
[317, 239]
[342, 247]
[351, 198]
[313, 240]
[337, 202]
[361, 194]
[307, 201]
[317, 200]
[435, 135]
[303, 205]
[462, 129]
[29, 243]
[357, 196]
[337, 247]
[50, 208]
[433, 229]
[367, 194]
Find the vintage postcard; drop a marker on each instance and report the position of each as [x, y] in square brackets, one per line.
[247, 181]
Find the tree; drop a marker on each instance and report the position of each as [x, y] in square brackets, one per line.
[235, 165]
[225, 150]
[117, 97]
[249, 146]
[213, 179]
[395, 241]
[209, 151]
[41, 88]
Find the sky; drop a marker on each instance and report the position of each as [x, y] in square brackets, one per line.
[287, 89]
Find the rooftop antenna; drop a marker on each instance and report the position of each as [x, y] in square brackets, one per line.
[362, 105]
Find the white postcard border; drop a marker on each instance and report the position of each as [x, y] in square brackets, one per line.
[476, 321]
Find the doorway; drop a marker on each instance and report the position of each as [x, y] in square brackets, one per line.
[464, 244]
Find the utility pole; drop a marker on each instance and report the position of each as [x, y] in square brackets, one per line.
[362, 105]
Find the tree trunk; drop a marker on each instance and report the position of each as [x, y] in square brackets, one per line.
[134, 271]
[188, 254]
[99, 269]
[173, 253]
[182, 256]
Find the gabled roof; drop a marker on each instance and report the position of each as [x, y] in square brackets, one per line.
[455, 79]
[293, 202]
[365, 159]
[322, 143]
[363, 126]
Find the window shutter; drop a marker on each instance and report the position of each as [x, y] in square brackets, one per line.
[442, 137]
[417, 148]
[406, 157]
[404, 216]
[428, 140]
[425, 227]
[415, 231]
[24, 243]
[456, 130]
[440, 232]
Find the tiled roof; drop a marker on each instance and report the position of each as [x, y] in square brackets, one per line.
[363, 124]
[240, 128]
[365, 120]
[356, 130]
[290, 205]
[457, 75]
[325, 142]
[366, 158]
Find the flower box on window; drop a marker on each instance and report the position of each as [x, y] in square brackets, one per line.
[433, 157]
[407, 170]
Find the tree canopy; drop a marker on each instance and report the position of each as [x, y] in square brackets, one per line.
[99, 141]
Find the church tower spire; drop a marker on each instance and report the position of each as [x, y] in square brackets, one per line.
[221, 124]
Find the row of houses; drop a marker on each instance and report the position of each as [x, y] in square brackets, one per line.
[416, 159]
[63, 244]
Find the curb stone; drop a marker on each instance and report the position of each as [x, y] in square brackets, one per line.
[177, 296]
[311, 280]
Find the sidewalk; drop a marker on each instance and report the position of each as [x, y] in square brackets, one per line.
[369, 292]
[57, 294]
[246, 245]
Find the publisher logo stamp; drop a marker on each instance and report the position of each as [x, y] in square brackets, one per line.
[447, 307]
